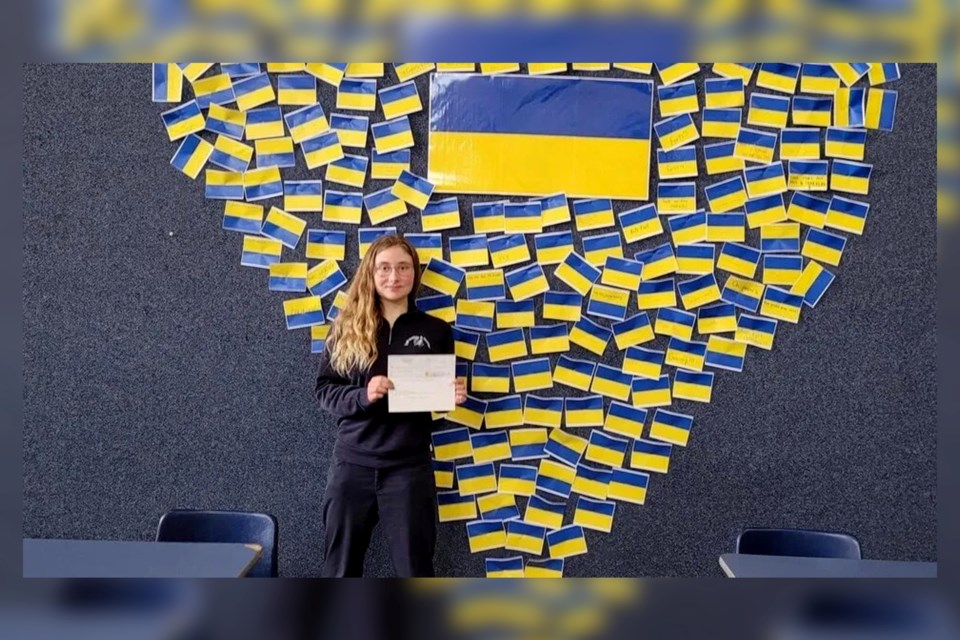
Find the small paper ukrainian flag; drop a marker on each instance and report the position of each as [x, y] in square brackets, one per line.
[561, 305]
[590, 335]
[696, 259]
[678, 98]
[552, 248]
[296, 89]
[554, 209]
[474, 315]
[606, 449]
[389, 166]
[742, 70]
[608, 302]
[339, 301]
[265, 122]
[675, 323]
[409, 70]
[595, 213]
[326, 245]
[549, 339]
[651, 392]
[654, 294]
[325, 278]
[526, 537]
[526, 282]
[443, 473]
[192, 155]
[676, 131]
[723, 353]
[720, 158]
[318, 338]
[633, 331]
[824, 246]
[574, 373]
[349, 170]
[288, 276]
[628, 486]
[611, 382]
[427, 245]
[506, 345]
[721, 93]
[488, 217]
[357, 95]
[527, 444]
[382, 205]
[231, 155]
[848, 107]
[577, 273]
[216, 89]
[544, 512]
[517, 479]
[881, 72]
[845, 143]
[490, 68]
[439, 306]
[542, 412]
[167, 82]
[686, 354]
[465, 343]
[502, 412]
[594, 514]
[565, 447]
[543, 68]
[650, 455]
[223, 185]
[671, 427]
[522, 217]
[780, 238]
[400, 100]
[756, 331]
[303, 195]
[625, 419]
[567, 541]
[657, 262]
[764, 210]
[622, 273]
[284, 227]
[321, 150]
[503, 567]
[808, 210]
[779, 76]
[819, 78]
[640, 223]
[720, 317]
[739, 259]
[366, 237]
[508, 250]
[469, 251]
[781, 305]
[679, 163]
[721, 123]
[807, 175]
[800, 144]
[253, 91]
[755, 146]
[812, 112]
[592, 481]
[470, 414]
[555, 478]
[490, 446]
[487, 284]
[242, 217]
[340, 206]
[725, 227]
[392, 135]
[781, 269]
[765, 180]
[303, 312]
[307, 122]
[350, 130]
[726, 195]
[676, 72]
[530, 375]
[847, 215]
[476, 478]
[596, 249]
[436, 215]
[688, 229]
[745, 294]
[226, 122]
[183, 120]
[452, 506]
[813, 283]
[768, 110]
[690, 385]
[275, 152]
[850, 177]
[329, 72]
[512, 313]
[413, 190]
[676, 197]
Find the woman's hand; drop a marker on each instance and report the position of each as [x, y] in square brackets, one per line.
[461, 392]
[378, 387]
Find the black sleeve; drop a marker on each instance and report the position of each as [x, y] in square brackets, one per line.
[337, 395]
[446, 343]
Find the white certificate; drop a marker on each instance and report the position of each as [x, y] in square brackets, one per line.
[422, 383]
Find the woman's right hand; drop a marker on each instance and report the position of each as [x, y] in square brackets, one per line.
[378, 387]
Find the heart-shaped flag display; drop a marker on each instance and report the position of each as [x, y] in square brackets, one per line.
[593, 303]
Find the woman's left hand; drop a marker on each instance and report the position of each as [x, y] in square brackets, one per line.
[461, 391]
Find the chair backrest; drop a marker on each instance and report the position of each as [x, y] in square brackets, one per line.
[798, 542]
[188, 525]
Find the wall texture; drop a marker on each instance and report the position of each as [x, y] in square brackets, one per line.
[158, 373]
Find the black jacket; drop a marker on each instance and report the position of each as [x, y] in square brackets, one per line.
[368, 434]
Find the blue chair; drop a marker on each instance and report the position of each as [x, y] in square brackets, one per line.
[798, 542]
[188, 525]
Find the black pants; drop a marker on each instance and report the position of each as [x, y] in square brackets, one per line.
[357, 497]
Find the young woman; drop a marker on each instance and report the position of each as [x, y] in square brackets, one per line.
[381, 468]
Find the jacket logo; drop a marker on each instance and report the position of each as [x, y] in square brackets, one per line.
[417, 341]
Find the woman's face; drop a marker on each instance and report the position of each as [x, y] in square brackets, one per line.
[393, 274]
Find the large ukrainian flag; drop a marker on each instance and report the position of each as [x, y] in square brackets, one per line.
[531, 135]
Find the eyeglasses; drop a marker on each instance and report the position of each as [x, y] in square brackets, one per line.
[402, 269]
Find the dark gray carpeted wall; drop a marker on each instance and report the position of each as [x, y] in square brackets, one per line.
[158, 373]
